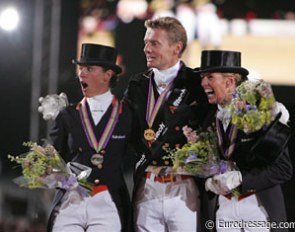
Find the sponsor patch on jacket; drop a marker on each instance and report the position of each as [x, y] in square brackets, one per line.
[177, 102]
[246, 140]
[118, 136]
[141, 161]
[162, 129]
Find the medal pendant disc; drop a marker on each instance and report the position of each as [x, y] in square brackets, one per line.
[149, 135]
[96, 159]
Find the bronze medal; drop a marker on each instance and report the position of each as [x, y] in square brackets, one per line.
[97, 160]
[149, 135]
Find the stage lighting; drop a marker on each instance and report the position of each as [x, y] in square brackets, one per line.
[9, 19]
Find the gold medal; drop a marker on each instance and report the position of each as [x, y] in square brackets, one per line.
[97, 160]
[149, 135]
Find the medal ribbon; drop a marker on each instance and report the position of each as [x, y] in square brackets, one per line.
[152, 107]
[232, 139]
[108, 130]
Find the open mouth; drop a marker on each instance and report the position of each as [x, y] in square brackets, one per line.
[209, 93]
[84, 84]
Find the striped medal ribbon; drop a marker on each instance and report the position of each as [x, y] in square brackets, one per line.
[232, 139]
[99, 146]
[153, 108]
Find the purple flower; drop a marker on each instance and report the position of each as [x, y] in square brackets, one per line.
[211, 169]
[193, 156]
[235, 95]
[251, 107]
[223, 167]
[69, 183]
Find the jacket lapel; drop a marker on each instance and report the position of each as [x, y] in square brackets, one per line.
[168, 115]
[99, 128]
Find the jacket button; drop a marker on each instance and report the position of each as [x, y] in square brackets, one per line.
[96, 181]
[80, 149]
[166, 145]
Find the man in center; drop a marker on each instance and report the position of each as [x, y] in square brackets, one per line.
[165, 98]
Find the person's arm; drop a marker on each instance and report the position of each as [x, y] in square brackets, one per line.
[129, 94]
[273, 138]
[258, 179]
[254, 179]
[59, 136]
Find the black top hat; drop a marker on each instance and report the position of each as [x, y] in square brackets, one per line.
[221, 61]
[96, 54]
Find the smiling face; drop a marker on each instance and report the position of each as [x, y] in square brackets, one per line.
[219, 87]
[94, 80]
[159, 51]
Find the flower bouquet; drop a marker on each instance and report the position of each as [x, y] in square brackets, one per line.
[42, 167]
[254, 109]
[253, 106]
[199, 155]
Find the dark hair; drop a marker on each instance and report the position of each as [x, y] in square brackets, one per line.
[114, 77]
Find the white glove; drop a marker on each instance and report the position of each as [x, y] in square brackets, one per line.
[210, 185]
[222, 184]
[285, 113]
[51, 105]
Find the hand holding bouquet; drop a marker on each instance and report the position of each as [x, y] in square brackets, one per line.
[42, 167]
[199, 155]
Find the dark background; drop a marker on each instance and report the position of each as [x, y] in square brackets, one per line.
[16, 70]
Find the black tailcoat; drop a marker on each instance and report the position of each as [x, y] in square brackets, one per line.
[191, 101]
[70, 141]
[259, 176]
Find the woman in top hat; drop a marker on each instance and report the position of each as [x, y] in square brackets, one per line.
[94, 133]
[261, 198]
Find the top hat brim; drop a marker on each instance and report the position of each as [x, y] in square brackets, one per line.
[117, 69]
[240, 70]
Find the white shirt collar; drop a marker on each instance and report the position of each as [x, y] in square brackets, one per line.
[101, 97]
[220, 107]
[99, 104]
[166, 76]
[223, 114]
